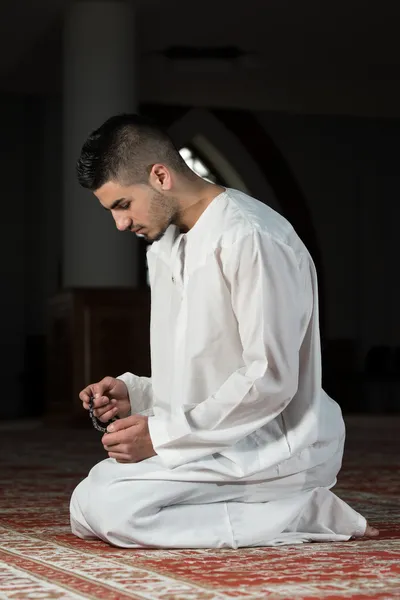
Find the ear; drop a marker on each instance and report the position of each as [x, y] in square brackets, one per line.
[160, 178]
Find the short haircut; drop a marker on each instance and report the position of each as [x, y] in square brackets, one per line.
[124, 149]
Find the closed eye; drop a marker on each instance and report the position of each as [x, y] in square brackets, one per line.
[121, 204]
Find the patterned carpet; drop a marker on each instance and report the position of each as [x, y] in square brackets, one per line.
[39, 558]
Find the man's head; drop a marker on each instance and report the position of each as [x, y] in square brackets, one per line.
[132, 167]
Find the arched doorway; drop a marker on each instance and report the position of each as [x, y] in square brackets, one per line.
[238, 150]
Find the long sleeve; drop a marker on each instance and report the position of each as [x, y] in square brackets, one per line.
[267, 296]
[140, 393]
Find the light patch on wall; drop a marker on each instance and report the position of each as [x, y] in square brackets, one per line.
[197, 165]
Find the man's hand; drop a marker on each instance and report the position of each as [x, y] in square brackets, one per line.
[129, 440]
[111, 398]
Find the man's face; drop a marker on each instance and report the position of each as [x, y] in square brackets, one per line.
[138, 208]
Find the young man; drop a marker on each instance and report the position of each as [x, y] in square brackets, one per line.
[232, 442]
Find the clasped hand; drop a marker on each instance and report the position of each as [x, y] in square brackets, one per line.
[128, 440]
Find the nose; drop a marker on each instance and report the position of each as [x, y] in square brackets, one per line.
[123, 223]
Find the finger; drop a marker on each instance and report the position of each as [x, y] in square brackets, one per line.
[113, 439]
[118, 448]
[102, 403]
[95, 391]
[107, 414]
[85, 395]
[102, 387]
[124, 423]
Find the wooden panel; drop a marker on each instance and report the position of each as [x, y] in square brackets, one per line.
[94, 333]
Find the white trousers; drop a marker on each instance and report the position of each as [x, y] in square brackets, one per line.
[122, 505]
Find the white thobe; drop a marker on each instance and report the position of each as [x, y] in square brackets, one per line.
[248, 444]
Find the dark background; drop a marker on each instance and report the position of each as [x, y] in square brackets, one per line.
[297, 102]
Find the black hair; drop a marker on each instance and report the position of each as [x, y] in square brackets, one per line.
[125, 148]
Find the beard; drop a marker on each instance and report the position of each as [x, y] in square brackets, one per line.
[157, 237]
[163, 212]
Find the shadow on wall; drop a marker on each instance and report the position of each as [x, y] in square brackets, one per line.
[248, 159]
[375, 388]
[34, 376]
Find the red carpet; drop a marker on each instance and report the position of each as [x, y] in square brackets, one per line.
[39, 558]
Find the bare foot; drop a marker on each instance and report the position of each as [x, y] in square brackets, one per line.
[371, 531]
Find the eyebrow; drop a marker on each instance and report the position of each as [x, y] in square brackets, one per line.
[115, 204]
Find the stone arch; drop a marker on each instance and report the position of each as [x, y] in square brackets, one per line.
[225, 151]
[246, 158]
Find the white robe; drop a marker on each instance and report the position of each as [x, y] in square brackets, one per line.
[248, 444]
